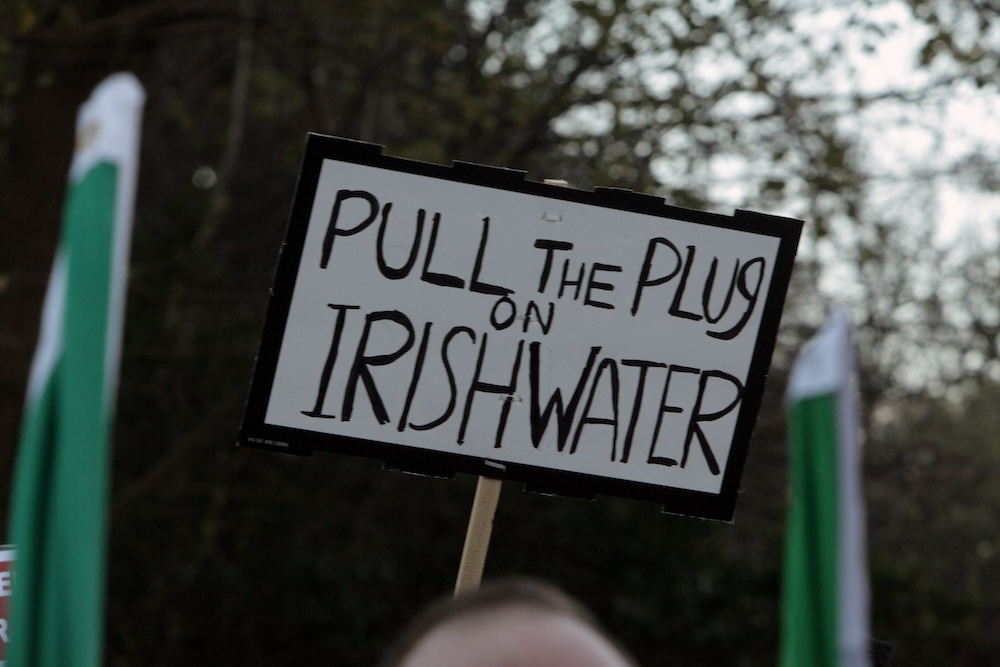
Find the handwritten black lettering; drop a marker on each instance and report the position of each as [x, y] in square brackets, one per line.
[706, 295]
[596, 285]
[545, 324]
[331, 359]
[459, 374]
[333, 231]
[478, 385]
[549, 245]
[450, 373]
[496, 320]
[359, 370]
[666, 408]
[647, 266]
[475, 284]
[675, 307]
[750, 296]
[564, 415]
[383, 266]
[694, 429]
[569, 282]
[418, 367]
[442, 279]
[643, 367]
[585, 419]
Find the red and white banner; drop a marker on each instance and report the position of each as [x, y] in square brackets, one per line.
[6, 582]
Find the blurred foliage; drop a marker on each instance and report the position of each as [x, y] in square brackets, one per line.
[242, 557]
[935, 554]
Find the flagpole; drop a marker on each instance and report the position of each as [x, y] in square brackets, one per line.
[59, 497]
[825, 604]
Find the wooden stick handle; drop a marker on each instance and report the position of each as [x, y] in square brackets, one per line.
[477, 537]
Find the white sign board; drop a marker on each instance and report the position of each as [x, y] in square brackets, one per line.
[463, 318]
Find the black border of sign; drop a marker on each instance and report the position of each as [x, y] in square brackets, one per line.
[254, 433]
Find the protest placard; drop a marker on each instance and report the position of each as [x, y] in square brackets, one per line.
[467, 319]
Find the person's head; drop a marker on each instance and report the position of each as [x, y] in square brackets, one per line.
[508, 623]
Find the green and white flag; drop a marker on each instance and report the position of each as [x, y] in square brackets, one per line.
[825, 599]
[58, 517]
